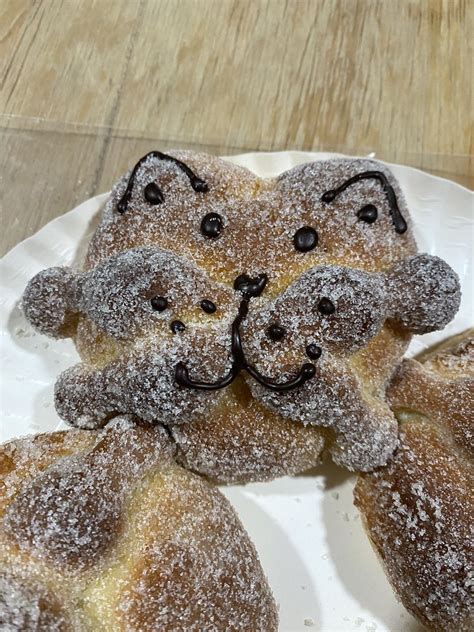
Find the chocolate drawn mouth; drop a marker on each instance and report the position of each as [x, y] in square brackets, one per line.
[239, 362]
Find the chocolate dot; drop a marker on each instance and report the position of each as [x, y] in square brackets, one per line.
[313, 351]
[326, 307]
[159, 303]
[208, 306]
[367, 214]
[329, 196]
[153, 194]
[211, 225]
[199, 185]
[305, 239]
[308, 370]
[276, 332]
[177, 326]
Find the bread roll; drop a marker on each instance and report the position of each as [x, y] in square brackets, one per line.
[205, 286]
[419, 510]
[103, 531]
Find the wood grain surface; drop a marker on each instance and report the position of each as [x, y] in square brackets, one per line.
[87, 87]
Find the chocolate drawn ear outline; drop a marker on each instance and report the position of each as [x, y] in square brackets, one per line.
[50, 302]
[423, 293]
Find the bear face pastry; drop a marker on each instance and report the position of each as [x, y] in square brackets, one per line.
[204, 282]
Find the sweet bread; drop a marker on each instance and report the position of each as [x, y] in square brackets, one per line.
[419, 510]
[221, 304]
[103, 531]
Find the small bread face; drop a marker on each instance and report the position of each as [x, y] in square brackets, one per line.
[200, 274]
[419, 510]
[104, 531]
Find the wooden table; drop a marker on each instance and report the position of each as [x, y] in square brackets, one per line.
[87, 87]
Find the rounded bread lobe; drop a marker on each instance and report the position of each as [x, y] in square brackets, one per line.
[50, 302]
[424, 293]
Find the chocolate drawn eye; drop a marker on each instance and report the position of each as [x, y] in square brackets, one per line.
[368, 214]
[211, 225]
[326, 307]
[397, 218]
[159, 303]
[153, 194]
[208, 306]
[276, 332]
[313, 351]
[305, 239]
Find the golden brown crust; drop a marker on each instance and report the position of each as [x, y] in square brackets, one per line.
[440, 385]
[419, 510]
[104, 531]
[243, 441]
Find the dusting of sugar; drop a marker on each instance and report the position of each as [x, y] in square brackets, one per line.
[419, 510]
[424, 293]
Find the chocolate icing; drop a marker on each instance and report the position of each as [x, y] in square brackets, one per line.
[159, 303]
[276, 332]
[177, 326]
[397, 218]
[313, 351]
[368, 214]
[239, 362]
[153, 194]
[326, 307]
[152, 190]
[251, 286]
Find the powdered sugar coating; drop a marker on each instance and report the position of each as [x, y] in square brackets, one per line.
[358, 299]
[245, 441]
[441, 386]
[25, 607]
[130, 355]
[117, 294]
[178, 557]
[49, 302]
[143, 382]
[364, 427]
[61, 515]
[419, 510]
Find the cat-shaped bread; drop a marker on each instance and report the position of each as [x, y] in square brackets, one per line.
[259, 320]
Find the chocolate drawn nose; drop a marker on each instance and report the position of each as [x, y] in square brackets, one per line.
[251, 286]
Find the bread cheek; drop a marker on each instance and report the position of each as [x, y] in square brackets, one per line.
[96, 348]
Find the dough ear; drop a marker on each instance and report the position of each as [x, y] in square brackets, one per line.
[50, 302]
[423, 293]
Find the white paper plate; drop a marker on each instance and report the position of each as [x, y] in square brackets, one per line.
[321, 567]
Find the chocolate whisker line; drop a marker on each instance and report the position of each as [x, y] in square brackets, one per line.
[239, 363]
[197, 183]
[397, 217]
